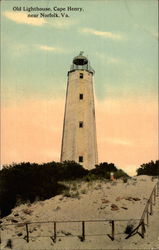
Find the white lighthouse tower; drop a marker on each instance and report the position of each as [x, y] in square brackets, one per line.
[79, 141]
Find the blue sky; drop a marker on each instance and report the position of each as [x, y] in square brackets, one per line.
[124, 59]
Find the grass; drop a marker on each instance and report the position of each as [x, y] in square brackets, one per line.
[69, 193]
[83, 191]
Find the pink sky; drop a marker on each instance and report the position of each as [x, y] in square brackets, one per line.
[126, 131]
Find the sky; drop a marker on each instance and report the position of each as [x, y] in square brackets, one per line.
[119, 38]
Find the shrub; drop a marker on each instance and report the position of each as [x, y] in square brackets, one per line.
[150, 168]
[24, 182]
[120, 174]
[103, 170]
[70, 170]
[90, 177]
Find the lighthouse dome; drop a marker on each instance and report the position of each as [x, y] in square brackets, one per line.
[81, 62]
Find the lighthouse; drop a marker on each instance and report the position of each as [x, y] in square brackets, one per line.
[79, 142]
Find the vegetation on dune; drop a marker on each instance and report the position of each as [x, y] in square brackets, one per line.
[27, 182]
[104, 169]
[24, 182]
[150, 168]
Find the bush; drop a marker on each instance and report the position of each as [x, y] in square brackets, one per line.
[103, 170]
[24, 182]
[150, 168]
[90, 177]
[121, 174]
[70, 170]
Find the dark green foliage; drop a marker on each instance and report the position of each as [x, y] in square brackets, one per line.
[71, 170]
[90, 177]
[150, 168]
[103, 170]
[27, 181]
[121, 174]
[67, 170]
[24, 182]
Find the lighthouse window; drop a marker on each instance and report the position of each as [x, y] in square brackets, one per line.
[81, 124]
[81, 96]
[81, 75]
[80, 158]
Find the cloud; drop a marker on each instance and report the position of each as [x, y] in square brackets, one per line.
[22, 17]
[47, 48]
[50, 48]
[105, 34]
[119, 141]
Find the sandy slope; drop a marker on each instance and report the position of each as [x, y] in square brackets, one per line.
[96, 200]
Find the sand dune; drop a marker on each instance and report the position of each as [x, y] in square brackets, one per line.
[97, 200]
